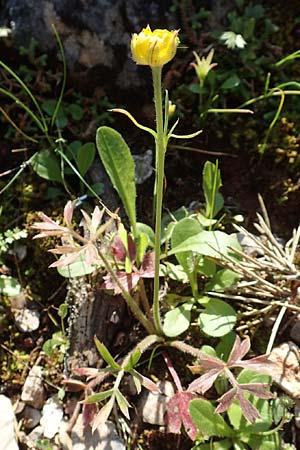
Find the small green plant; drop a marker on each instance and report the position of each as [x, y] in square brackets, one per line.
[9, 285]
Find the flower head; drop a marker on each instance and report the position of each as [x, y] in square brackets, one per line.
[203, 65]
[154, 48]
[233, 40]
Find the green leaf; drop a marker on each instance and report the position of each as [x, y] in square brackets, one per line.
[218, 318]
[49, 107]
[211, 185]
[224, 444]
[85, 157]
[76, 111]
[142, 228]
[184, 229]
[118, 162]
[104, 352]
[122, 403]
[133, 360]
[209, 243]
[177, 320]
[98, 397]
[230, 83]
[207, 421]
[222, 279]
[46, 164]
[9, 286]
[78, 268]
[63, 310]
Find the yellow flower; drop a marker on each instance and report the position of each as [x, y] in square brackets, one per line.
[154, 48]
[203, 66]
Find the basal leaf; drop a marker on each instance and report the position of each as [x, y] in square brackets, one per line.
[119, 165]
[206, 420]
[218, 318]
[85, 157]
[209, 243]
[46, 164]
[177, 320]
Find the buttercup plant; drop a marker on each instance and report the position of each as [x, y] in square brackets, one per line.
[126, 260]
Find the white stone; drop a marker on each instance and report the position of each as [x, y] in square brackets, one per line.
[7, 419]
[104, 437]
[153, 406]
[287, 372]
[27, 320]
[52, 415]
[33, 389]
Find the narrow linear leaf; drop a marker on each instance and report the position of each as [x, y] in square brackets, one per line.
[95, 398]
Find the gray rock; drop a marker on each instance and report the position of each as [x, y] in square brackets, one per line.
[153, 406]
[31, 417]
[7, 419]
[32, 438]
[80, 438]
[96, 33]
[52, 415]
[27, 320]
[33, 389]
[295, 331]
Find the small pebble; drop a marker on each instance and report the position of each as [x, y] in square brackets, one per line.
[27, 320]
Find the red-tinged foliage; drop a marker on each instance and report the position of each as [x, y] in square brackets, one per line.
[178, 415]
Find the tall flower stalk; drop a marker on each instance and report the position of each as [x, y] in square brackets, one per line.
[156, 48]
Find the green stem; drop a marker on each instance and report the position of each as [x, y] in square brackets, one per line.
[160, 149]
[132, 304]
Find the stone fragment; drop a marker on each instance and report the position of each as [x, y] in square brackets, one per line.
[7, 418]
[287, 374]
[295, 331]
[153, 406]
[52, 415]
[31, 417]
[33, 437]
[27, 320]
[33, 389]
[105, 437]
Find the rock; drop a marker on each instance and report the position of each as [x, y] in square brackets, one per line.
[95, 33]
[33, 389]
[31, 417]
[287, 376]
[27, 320]
[80, 438]
[249, 246]
[295, 331]
[7, 419]
[52, 416]
[153, 406]
[31, 439]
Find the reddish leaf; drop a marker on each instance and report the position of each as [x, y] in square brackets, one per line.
[178, 415]
[88, 414]
[147, 267]
[128, 281]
